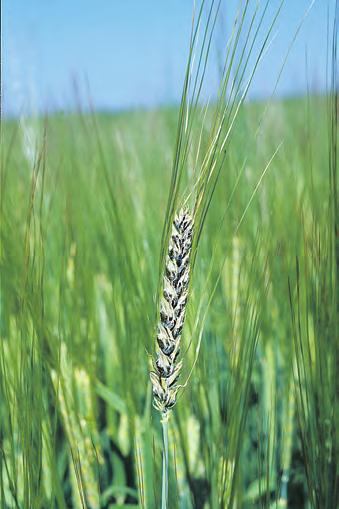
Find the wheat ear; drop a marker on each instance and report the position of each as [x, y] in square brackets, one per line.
[172, 313]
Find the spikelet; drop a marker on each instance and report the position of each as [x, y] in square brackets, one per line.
[172, 313]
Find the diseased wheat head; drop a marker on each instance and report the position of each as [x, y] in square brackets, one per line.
[172, 313]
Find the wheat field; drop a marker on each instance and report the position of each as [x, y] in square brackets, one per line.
[84, 200]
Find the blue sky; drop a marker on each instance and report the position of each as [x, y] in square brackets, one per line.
[133, 53]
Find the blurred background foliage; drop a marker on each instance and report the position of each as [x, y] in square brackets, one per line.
[81, 234]
[83, 203]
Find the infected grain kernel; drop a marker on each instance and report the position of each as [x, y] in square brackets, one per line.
[172, 313]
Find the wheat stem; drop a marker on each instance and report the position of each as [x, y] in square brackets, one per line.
[164, 493]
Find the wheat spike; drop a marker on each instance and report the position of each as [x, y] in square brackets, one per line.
[172, 313]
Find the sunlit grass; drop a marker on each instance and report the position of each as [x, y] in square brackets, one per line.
[82, 233]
